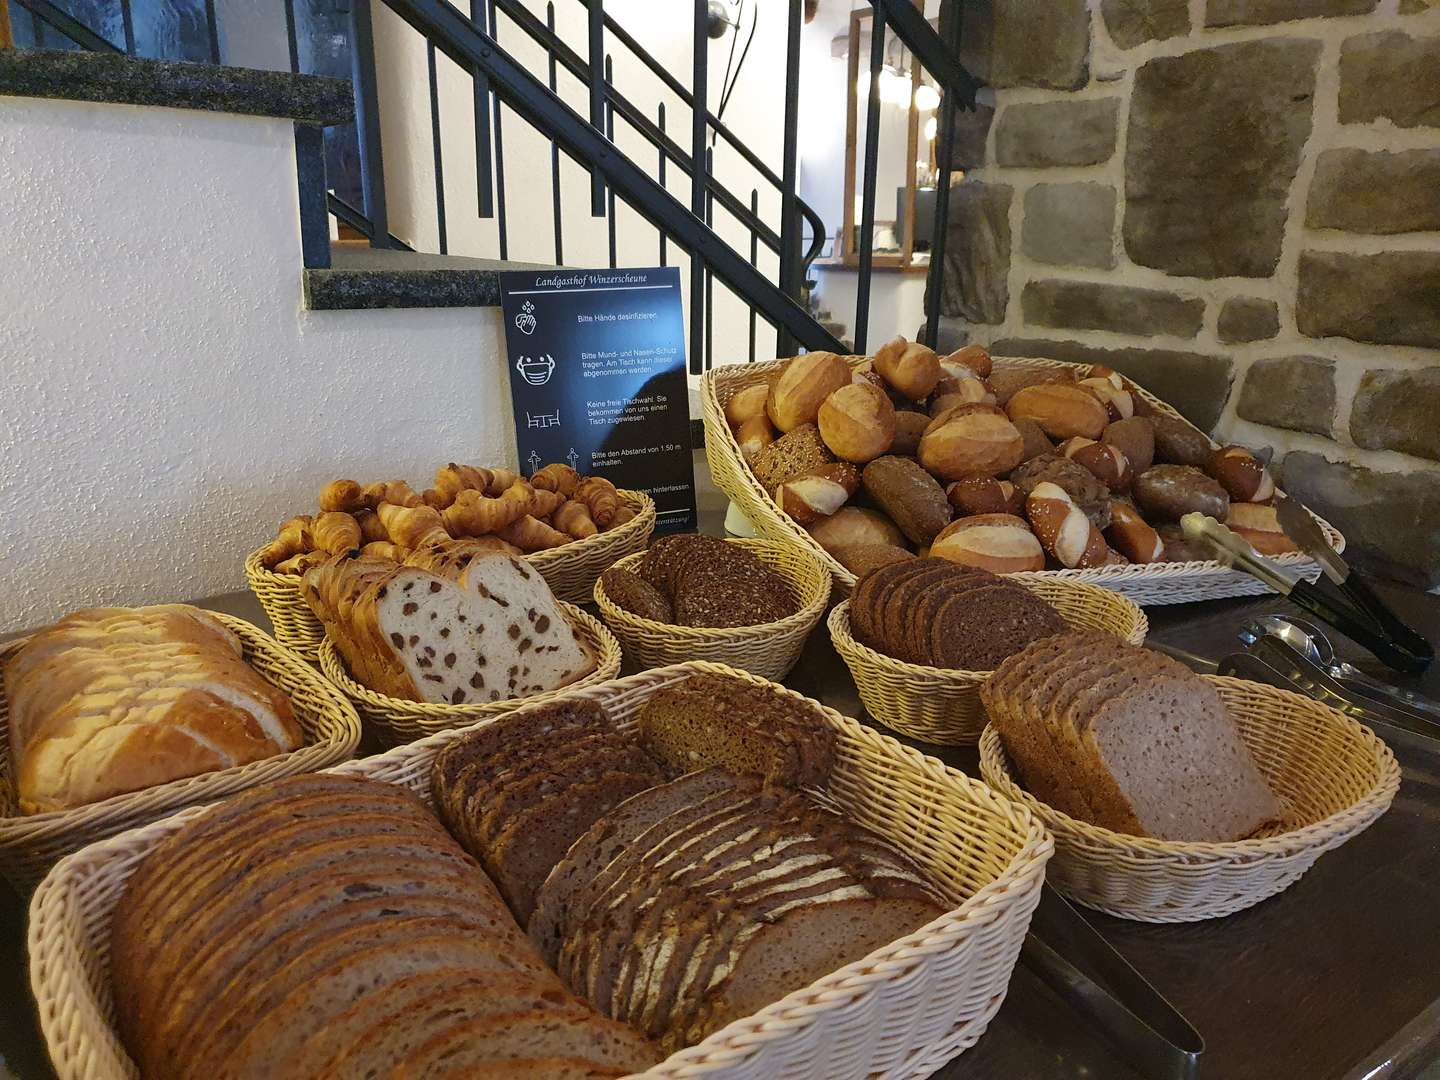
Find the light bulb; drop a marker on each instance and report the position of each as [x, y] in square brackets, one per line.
[893, 89]
[927, 98]
[931, 127]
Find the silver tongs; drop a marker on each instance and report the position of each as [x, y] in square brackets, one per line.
[1071, 957]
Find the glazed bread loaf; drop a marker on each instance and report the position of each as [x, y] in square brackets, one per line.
[113, 700]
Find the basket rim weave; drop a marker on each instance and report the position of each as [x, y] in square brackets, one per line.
[606, 650]
[838, 624]
[755, 502]
[63, 986]
[995, 765]
[176, 794]
[813, 600]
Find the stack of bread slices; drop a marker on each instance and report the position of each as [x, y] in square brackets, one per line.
[1127, 739]
[328, 926]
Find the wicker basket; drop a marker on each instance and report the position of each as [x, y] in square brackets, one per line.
[396, 721]
[901, 1012]
[570, 571]
[1157, 583]
[31, 843]
[769, 650]
[942, 705]
[1334, 776]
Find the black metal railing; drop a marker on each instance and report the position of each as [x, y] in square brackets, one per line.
[500, 83]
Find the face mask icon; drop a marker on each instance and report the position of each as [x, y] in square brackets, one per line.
[536, 371]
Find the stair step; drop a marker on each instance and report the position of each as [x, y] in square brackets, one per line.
[362, 277]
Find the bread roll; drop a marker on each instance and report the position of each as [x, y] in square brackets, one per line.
[1105, 462]
[1180, 443]
[1111, 390]
[754, 435]
[975, 443]
[909, 427]
[857, 422]
[1130, 535]
[1169, 492]
[1061, 411]
[1239, 471]
[1064, 530]
[985, 495]
[796, 396]
[1259, 525]
[852, 526]
[1136, 439]
[973, 357]
[807, 499]
[911, 368]
[747, 404]
[1000, 543]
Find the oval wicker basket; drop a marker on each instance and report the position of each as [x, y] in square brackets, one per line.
[1334, 776]
[395, 720]
[569, 570]
[1156, 583]
[900, 1012]
[942, 705]
[31, 843]
[769, 650]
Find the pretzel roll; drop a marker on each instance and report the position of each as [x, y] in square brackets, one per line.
[1132, 536]
[1064, 530]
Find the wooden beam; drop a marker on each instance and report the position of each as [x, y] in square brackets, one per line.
[7, 38]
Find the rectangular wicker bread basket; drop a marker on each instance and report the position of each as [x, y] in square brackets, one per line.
[31, 843]
[1155, 583]
[570, 570]
[900, 1012]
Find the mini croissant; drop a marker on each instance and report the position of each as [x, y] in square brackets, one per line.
[545, 503]
[411, 526]
[600, 497]
[573, 518]
[342, 495]
[294, 538]
[557, 477]
[475, 514]
[531, 534]
[383, 549]
[452, 479]
[372, 529]
[500, 480]
[336, 532]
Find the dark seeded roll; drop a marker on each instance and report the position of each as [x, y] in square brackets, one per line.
[634, 594]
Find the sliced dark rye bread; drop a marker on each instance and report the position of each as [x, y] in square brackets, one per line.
[547, 1033]
[894, 605]
[730, 588]
[328, 907]
[923, 610]
[204, 910]
[529, 848]
[862, 617]
[979, 629]
[1178, 764]
[804, 944]
[668, 556]
[278, 1018]
[385, 1027]
[607, 838]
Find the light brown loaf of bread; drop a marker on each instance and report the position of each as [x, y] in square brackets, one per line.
[114, 700]
[1135, 743]
[795, 397]
[1001, 543]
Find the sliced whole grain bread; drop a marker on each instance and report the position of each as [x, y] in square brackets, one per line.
[547, 1068]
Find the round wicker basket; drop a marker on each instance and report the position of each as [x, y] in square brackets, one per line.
[900, 1012]
[769, 650]
[942, 705]
[1154, 583]
[1334, 776]
[30, 843]
[570, 571]
[396, 721]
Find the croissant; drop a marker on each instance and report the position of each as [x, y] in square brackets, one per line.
[336, 533]
[474, 514]
[294, 538]
[531, 534]
[383, 549]
[500, 480]
[436, 498]
[452, 479]
[298, 564]
[372, 529]
[545, 503]
[342, 495]
[600, 498]
[411, 526]
[624, 514]
[372, 495]
[573, 518]
[557, 477]
[399, 493]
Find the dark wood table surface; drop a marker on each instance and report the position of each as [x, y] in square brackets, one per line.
[1338, 978]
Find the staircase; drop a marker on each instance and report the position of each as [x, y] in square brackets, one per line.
[518, 66]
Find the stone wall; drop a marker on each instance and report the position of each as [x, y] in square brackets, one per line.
[1237, 202]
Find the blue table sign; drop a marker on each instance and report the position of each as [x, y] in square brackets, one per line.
[597, 377]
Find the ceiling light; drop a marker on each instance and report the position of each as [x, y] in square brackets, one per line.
[927, 98]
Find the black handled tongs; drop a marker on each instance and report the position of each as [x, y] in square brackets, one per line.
[1357, 612]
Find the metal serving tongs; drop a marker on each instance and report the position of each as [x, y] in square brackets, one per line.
[1355, 613]
[1077, 963]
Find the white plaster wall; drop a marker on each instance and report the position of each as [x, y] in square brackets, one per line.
[897, 301]
[166, 401]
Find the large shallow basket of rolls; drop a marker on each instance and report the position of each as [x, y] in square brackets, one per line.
[570, 570]
[31, 843]
[1158, 582]
[767, 649]
[395, 720]
[902, 1011]
[1333, 778]
[942, 705]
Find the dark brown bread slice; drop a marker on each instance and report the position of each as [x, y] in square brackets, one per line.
[607, 837]
[1177, 764]
[548, 1068]
[376, 1033]
[669, 556]
[805, 944]
[630, 592]
[529, 848]
[862, 613]
[895, 604]
[325, 908]
[276, 1020]
[577, 1034]
[979, 630]
[922, 611]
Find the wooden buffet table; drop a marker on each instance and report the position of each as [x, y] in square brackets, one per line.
[1338, 977]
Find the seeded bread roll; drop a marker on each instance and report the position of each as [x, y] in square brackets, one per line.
[796, 453]
[1079, 483]
[910, 495]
